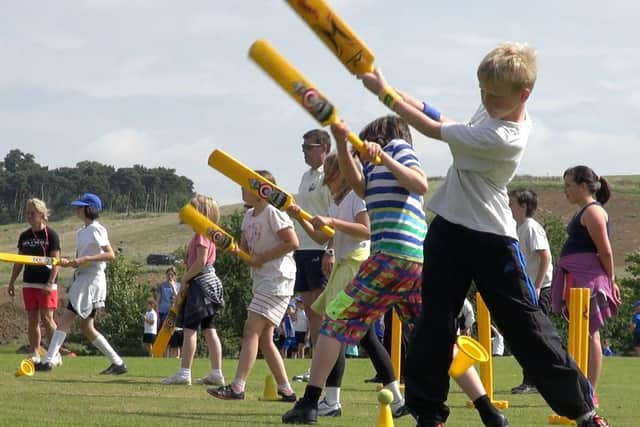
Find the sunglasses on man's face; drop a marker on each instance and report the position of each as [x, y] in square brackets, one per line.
[306, 147]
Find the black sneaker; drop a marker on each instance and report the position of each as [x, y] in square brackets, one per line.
[43, 367]
[114, 369]
[594, 421]
[524, 389]
[287, 397]
[498, 421]
[302, 413]
[226, 392]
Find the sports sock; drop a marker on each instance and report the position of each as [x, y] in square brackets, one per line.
[332, 395]
[185, 372]
[54, 346]
[394, 387]
[105, 348]
[216, 373]
[238, 385]
[285, 387]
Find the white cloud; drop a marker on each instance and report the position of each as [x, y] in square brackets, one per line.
[59, 41]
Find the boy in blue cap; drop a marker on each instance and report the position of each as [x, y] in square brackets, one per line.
[89, 288]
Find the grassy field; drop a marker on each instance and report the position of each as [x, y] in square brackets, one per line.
[75, 395]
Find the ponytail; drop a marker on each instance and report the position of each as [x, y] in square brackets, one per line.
[604, 192]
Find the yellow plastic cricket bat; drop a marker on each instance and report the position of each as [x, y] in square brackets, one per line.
[299, 88]
[257, 184]
[212, 231]
[169, 325]
[336, 34]
[28, 259]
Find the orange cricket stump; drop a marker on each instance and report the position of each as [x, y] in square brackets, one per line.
[270, 393]
[26, 368]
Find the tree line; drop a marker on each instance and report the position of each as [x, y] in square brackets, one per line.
[136, 188]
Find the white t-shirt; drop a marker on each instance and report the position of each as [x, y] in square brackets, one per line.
[152, 328]
[350, 206]
[275, 277]
[90, 240]
[497, 344]
[486, 154]
[533, 238]
[300, 323]
[467, 312]
[314, 198]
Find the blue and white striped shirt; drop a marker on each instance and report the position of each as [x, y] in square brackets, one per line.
[398, 223]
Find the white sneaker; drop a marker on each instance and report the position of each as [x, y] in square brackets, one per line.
[329, 410]
[211, 379]
[57, 360]
[176, 379]
[35, 358]
[398, 409]
[303, 377]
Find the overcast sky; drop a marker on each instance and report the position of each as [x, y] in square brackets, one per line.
[163, 83]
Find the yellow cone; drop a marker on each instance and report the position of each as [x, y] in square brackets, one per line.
[270, 392]
[26, 368]
[385, 419]
[470, 352]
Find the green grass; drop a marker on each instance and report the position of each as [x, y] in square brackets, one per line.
[75, 395]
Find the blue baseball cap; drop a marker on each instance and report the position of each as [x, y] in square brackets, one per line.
[88, 199]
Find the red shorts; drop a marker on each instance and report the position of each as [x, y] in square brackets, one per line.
[35, 299]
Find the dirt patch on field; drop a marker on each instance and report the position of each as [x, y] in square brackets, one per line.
[623, 212]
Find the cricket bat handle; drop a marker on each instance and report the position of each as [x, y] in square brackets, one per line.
[359, 145]
[325, 228]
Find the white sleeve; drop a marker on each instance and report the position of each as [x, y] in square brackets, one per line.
[279, 220]
[538, 239]
[101, 236]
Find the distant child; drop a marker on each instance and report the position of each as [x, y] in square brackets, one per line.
[167, 292]
[535, 247]
[268, 235]
[390, 276]
[288, 341]
[203, 301]
[88, 291]
[301, 328]
[473, 238]
[635, 327]
[150, 325]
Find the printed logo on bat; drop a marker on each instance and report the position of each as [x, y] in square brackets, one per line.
[221, 240]
[266, 191]
[317, 105]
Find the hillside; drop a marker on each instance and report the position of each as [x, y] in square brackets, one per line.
[140, 235]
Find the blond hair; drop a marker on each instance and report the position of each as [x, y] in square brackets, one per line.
[332, 170]
[206, 206]
[40, 207]
[512, 63]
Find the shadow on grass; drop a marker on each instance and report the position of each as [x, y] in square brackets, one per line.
[241, 419]
[114, 381]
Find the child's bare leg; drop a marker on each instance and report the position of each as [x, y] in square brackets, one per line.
[33, 329]
[253, 327]
[595, 359]
[46, 316]
[214, 346]
[325, 356]
[273, 359]
[188, 347]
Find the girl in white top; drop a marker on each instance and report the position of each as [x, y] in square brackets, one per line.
[89, 288]
[268, 235]
[347, 249]
[150, 325]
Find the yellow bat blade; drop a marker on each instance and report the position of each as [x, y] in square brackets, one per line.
[169, 325]
[336, 34]
[28, 259]
[256, 184]
[212, 231]
[299, 87]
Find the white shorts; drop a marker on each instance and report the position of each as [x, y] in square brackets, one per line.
[88, 291]
[272, 307]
